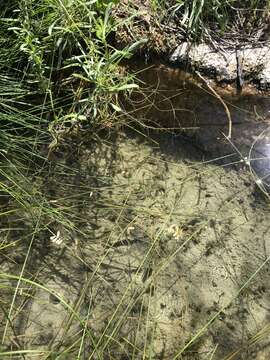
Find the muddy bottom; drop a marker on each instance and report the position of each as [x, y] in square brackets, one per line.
[159, 247]
[169, 258]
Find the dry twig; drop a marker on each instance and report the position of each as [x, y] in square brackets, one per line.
[222, 102]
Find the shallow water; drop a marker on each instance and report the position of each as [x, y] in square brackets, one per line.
[169, 234]
[168, 241]
[175, 100]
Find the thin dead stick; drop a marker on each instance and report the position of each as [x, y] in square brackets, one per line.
[222, 102]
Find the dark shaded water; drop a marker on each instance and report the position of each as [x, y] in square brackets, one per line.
[177, 102]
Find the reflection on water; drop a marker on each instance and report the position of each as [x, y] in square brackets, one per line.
[259, 157]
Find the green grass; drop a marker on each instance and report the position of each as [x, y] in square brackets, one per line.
[61, 48]
[60, 75]
[198, 17]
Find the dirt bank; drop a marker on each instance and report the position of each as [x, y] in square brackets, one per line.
[237, 54]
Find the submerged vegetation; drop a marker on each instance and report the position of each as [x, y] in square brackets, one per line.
[65, 194]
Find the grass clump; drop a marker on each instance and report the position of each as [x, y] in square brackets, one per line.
[241, 19]
[58, 74]
[61, 48]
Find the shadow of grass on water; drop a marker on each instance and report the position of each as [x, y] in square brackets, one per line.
[162, 241]
[160, 245]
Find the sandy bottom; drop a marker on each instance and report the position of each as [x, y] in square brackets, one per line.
[169, 258]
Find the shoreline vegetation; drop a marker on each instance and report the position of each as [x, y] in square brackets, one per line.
[63, 84]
